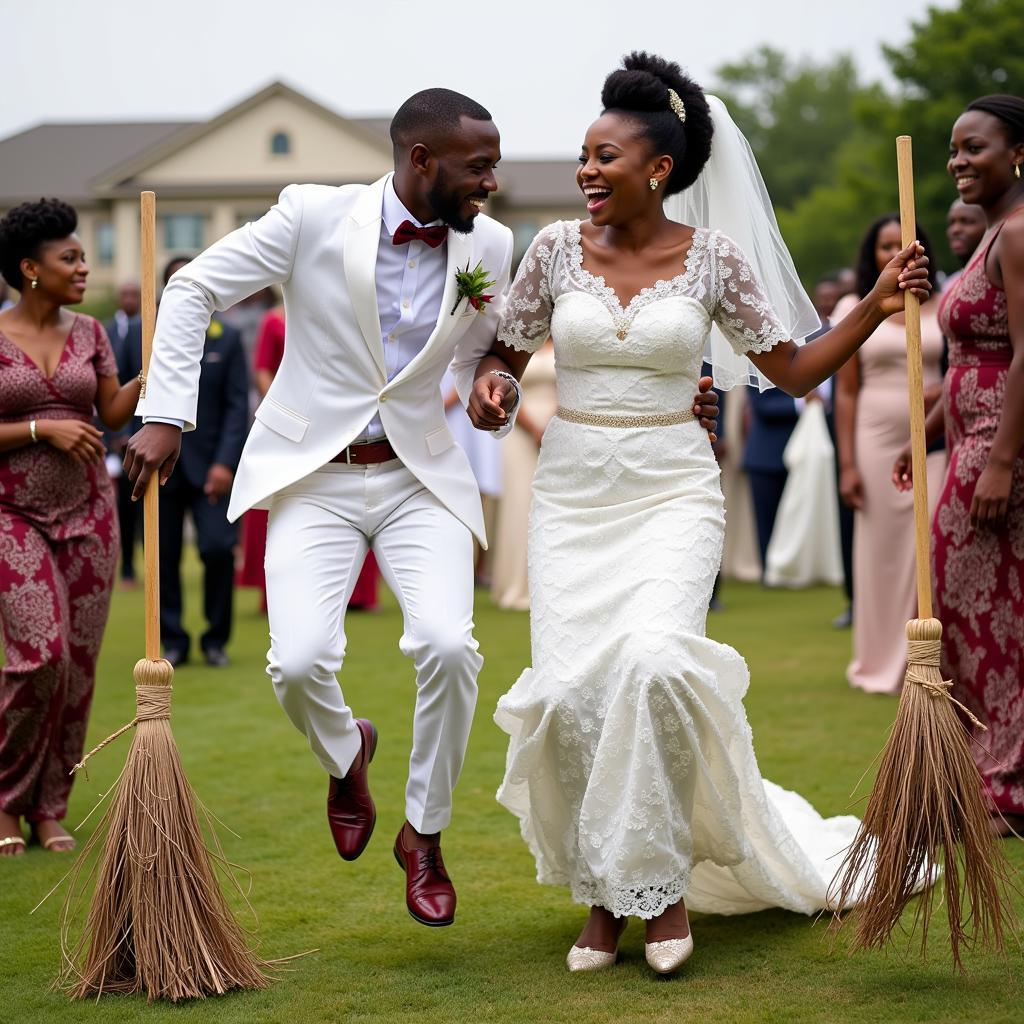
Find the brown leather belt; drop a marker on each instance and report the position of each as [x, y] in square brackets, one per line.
[366, 453]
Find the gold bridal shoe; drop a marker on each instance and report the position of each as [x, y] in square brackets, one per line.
[669, 955]
[583, 958]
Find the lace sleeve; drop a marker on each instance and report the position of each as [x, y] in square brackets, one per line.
[526, 321]
[742, 311]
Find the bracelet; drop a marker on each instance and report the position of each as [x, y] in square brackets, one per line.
[507, 376]
[142, 385]
[32, 431]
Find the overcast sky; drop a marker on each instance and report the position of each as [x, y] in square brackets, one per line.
[536, 64]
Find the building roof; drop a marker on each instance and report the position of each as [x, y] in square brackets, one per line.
[539, 182]
[64, 159]
[83, 162]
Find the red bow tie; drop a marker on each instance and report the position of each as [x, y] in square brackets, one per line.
[408, 232]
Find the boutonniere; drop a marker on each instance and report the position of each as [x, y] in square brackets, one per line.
[472, 284]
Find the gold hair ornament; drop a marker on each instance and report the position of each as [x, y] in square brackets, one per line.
[678, 106]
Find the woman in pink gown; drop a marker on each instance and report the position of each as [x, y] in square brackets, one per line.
[872, 426]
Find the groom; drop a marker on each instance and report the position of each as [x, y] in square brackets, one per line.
[350, 449]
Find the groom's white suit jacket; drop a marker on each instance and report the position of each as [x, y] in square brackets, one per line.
[319, 243]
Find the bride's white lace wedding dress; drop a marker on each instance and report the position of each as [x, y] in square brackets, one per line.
[630, 765]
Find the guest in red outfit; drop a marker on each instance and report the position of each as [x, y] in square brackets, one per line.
[58, 524]
[978, 529]
[266, 361]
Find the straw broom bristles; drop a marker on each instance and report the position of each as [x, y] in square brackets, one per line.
[158, 923]
[926, 814]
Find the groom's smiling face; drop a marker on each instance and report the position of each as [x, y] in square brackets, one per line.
[462, 164]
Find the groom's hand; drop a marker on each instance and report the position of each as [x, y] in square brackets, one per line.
[705, 407]
[490, 401]
[154, 448]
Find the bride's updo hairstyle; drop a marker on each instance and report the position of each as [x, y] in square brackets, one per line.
[639, 90]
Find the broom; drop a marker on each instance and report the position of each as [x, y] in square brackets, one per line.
[158, 922]
[926, 805]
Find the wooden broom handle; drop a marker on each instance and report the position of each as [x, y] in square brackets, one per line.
[915, 387]
[151, 501]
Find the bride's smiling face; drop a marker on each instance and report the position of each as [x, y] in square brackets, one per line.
[616, 168]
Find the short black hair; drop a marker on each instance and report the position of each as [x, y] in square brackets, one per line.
[430, 113]
[1008, 109]
[867, 266]
[639, 89]
[173, 262]
[27, 227]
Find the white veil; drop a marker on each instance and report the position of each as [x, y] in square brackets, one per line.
[730, 196]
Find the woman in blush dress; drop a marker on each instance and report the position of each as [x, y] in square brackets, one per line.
[978, 527]
[58, 525]
[630, 762]
[872, 427]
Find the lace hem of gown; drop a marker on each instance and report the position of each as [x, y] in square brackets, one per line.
[651, 793]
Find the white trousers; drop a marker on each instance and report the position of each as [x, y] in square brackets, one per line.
[319, 531]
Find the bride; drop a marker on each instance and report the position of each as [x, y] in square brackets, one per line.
[630, 762]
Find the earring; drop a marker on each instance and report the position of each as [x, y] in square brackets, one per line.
[1016, 171]
[35, 283]
[654, 182]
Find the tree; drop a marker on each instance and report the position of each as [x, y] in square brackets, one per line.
[794, 116]
[953, 57]
[826, 144]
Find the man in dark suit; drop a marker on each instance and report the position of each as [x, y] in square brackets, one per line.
[773, 415]
[125, 332]
[200, 486]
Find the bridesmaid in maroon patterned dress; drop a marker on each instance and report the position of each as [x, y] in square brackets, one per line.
[58, 526]
[978, 529]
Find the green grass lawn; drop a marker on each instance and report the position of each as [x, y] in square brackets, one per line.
[504, 959]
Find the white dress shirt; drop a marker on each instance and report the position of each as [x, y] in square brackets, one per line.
[410, 280]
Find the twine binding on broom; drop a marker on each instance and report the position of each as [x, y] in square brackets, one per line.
[923, 655]
[151, 703]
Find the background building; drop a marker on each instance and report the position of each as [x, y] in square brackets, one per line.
[212, 176]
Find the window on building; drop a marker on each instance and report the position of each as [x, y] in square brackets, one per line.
[105, 243]
[183, 231]
[522, 236]
[242, 219]
[280, 143]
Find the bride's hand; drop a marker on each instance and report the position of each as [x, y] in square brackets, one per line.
[489, 401]
[907, 269]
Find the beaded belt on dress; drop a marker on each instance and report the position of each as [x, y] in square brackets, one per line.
[601, 419]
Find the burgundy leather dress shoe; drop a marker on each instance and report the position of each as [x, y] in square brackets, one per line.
[350, 810]
[429, 893]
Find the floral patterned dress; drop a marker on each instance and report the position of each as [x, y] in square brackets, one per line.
[58, 550]
[979, 574]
